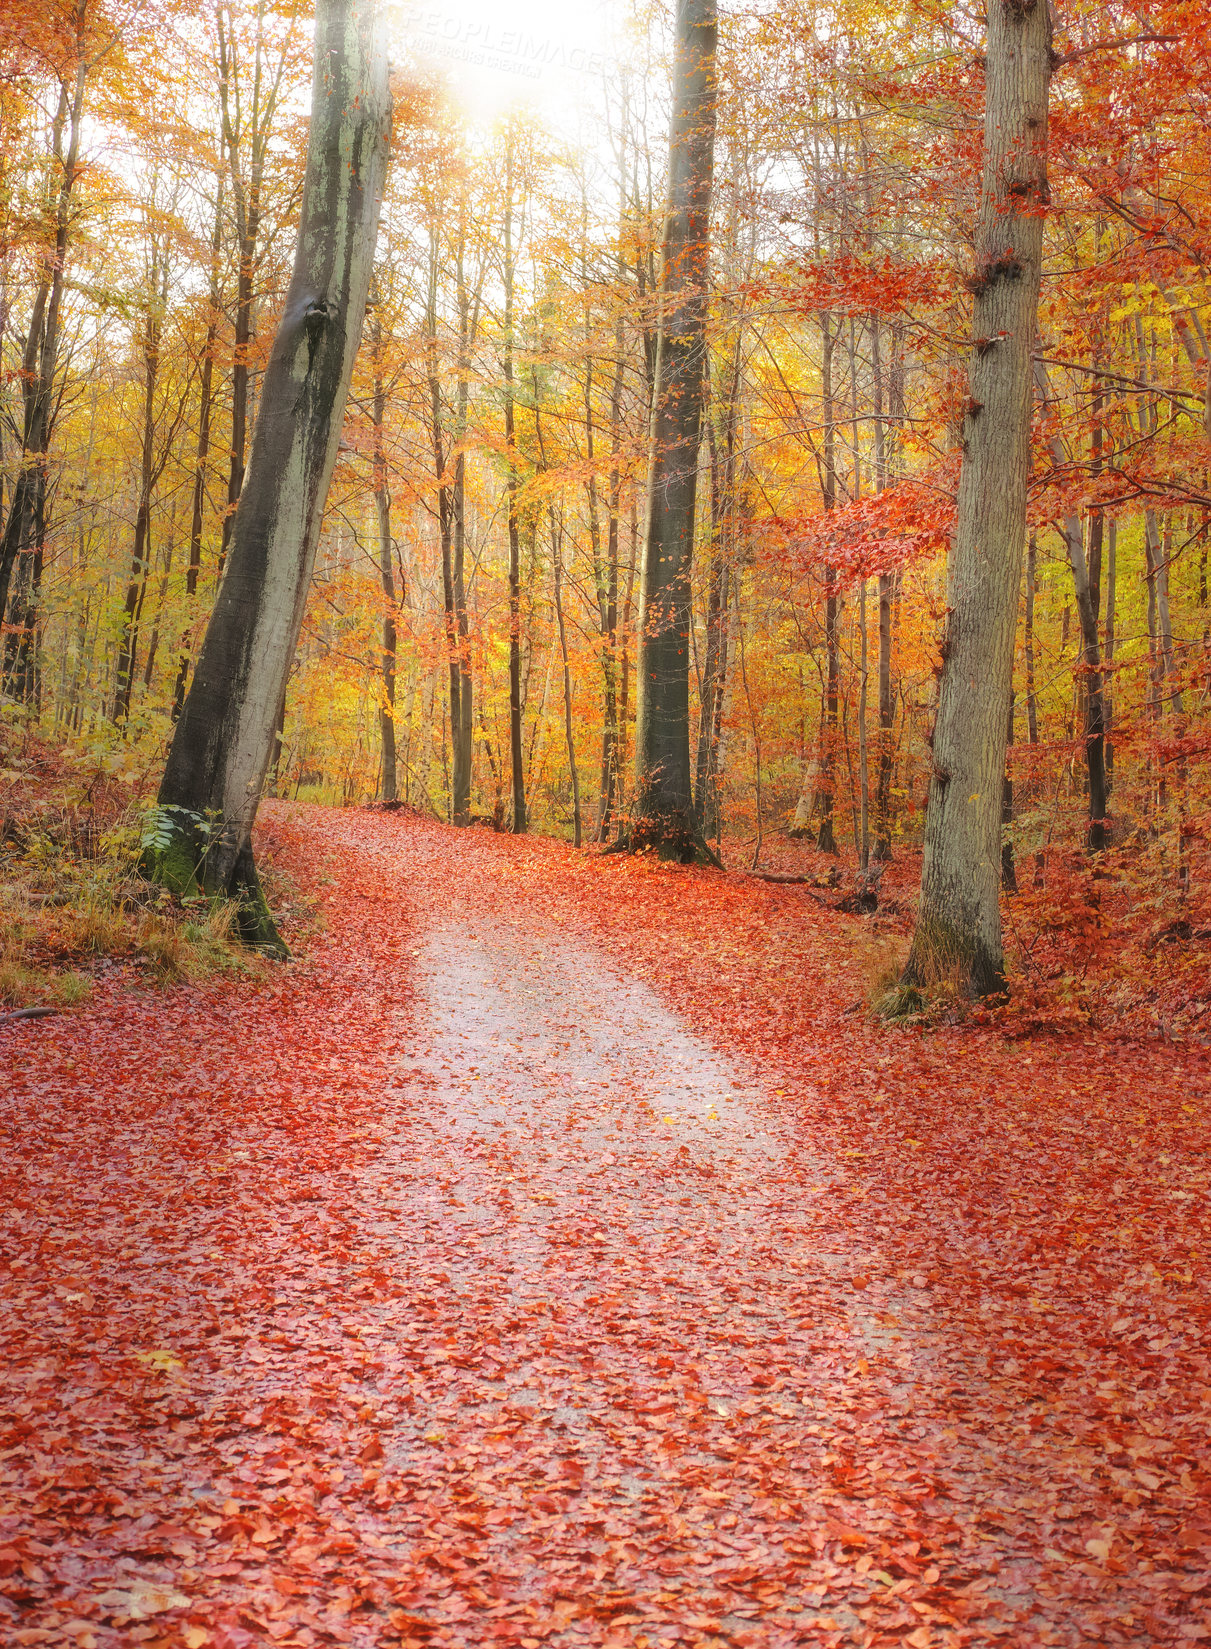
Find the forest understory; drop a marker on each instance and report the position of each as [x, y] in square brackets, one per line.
[554, 1252]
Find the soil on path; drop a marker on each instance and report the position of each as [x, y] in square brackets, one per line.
[456, 1288]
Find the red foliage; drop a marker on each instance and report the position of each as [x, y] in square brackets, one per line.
[879, 534]
[845, 285]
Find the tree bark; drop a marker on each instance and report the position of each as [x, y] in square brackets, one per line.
[1086, 579]
[461, 720]
[1032, 703]
[246, 140]
[140, 563]
[826, 838]
[517, 771]
[707, 810]
[1009, 873]
[569, 738]
[223, 742]
[957, 938]
[386, 570]
[663, 817]
[23, 541]
[202, 454]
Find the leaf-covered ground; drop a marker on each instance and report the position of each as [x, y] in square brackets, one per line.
[552, 1256]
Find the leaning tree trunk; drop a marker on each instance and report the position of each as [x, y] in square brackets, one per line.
[958, 930]
[200, 835]
[664, 812]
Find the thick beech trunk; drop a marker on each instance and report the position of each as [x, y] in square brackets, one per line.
[663, 816]
[958, 930]
[223, 741]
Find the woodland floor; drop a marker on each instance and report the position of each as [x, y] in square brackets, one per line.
[552, 1255]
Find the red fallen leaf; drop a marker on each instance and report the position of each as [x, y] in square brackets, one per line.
[372, 1451]
[651, 1291]
[846, 1533]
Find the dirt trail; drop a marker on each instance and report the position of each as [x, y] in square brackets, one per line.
[448, 1289]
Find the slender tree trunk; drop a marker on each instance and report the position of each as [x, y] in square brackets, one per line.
[386, 568]
[888, 591]
[887, 719]
[826, 838]
[165, 576]
[557, 566]
[663, 816]
[1156, 661]
[223, 742]
[202, 453]
[22, 545]
[863, 754]
[517, 772]
[1111, 615]
[140, 565]
[1086, 574]
[628, 616]
[608, 797]
[958, 929]
[1009, 874]
[707, 812]
[707, 809]
[462, 724]
[1032, 707]
[445, 496]
[246, 135]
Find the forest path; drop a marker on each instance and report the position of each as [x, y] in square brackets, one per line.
[450, 1287]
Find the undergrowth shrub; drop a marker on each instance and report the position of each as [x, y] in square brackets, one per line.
[72, 898]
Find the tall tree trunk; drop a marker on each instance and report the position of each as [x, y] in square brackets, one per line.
[1032, 703]
[663, 816]
[863, 755]
[140, 564]
[889, 585]
[202, 452]
[223, 742]
[569, 739]
[707, 812]
[958, 929]
[445, 493]
[1009, 874]
[22, 545]
[247, 127]
[386, 569]
[826, 838]
[1111, 615]
[517, 772]
[1086, 576]
[461, 724]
